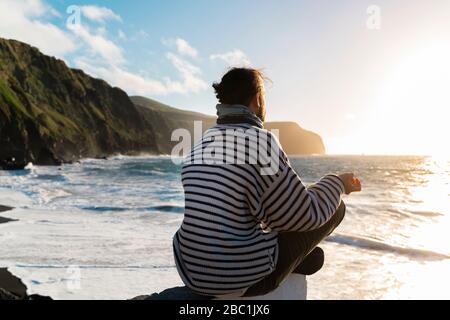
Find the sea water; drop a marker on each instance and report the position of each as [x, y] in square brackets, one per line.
[102, 229]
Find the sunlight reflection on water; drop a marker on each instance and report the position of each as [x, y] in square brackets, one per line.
[393, 243]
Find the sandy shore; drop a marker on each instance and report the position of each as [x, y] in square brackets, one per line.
[3, 209]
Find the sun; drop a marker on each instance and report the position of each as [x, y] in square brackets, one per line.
[413, 106]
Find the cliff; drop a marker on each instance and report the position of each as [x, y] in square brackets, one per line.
[166, 119]
[50, 113]
[294, 139]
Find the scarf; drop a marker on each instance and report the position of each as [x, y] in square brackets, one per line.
[236, 113]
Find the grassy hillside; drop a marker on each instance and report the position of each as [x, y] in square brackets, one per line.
[50, 113]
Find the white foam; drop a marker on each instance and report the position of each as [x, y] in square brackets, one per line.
[50, 194]
[29, 166]
[118, 256]
[13, 198]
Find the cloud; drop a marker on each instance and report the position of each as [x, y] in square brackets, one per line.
[137, 84]
[142, 34]
[24, 21]
[106, 60]
[189, 73]
[184, 48]
[119, 77]
[99, 14]
[95, 53]
[233, 58]
[99, 45]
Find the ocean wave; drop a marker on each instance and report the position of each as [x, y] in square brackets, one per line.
[105, 209]
[139, 156]
[371, 244]
[167, 208]
[50, 177]
[58, 266]
[158, 208]
[48, 195]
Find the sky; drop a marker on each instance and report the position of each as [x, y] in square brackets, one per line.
[370, 77]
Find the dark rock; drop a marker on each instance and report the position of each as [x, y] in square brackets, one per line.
[6, 295]
[5, 220]
[38, 297]
[12, 163]
[175, 293]
[11, 285]
[12, 288]
[5, 208]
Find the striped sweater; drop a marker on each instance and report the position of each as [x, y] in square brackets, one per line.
[233, 213]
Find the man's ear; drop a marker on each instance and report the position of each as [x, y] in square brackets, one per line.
[260, 103]
[255, 104]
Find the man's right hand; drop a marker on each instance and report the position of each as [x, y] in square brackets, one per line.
[351, 184]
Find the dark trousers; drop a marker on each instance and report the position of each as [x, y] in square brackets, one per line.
[294, 247]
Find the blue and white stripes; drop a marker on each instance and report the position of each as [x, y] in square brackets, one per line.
[233, 213]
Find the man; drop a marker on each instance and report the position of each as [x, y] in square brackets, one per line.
[249, 220]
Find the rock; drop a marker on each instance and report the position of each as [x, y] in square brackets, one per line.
[11, 163]
[5, 208]
[12, 288]
[6, 295]
[293, 288]
[175, 293]
[5, 220]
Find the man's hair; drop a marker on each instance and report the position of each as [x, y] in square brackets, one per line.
[239, 86]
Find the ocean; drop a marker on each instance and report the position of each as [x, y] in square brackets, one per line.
[102, 229]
